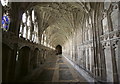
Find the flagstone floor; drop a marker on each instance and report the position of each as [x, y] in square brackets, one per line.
[56, 69]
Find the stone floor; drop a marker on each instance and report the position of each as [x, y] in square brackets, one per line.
[56, 69]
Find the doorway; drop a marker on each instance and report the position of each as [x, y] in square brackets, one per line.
[22, 63]
[58, 49]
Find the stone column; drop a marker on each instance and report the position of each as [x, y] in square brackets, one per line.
[12, 63]
[119, 59]
[113, 56]
[26, 26]
[86, 54]
[103, 63]
[30, 64]
[119, 41]
[15, 18]
[93, 14]
[109, 64]
[90, 58]
[114, 61]
[32, 25]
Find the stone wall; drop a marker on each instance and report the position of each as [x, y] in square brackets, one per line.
[95, 45]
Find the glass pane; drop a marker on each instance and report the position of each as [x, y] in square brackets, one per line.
[24, 17]
[33, 17]
[24, 32]
[28, 21]
[29, 33]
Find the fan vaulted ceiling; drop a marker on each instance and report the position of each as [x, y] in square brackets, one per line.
[59, 20]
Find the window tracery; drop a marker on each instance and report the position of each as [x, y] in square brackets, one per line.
[28, 23]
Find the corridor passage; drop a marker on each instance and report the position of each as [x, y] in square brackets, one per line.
[59, 42]
[56, 69]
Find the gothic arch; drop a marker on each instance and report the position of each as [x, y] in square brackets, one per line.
[34, 58]
[22, 64]
[58, 49]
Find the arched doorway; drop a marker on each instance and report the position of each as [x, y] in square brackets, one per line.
[58, 49]
[22, 64]
[7, 53]
[34, 58]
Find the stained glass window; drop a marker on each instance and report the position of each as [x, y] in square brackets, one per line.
[5, 18]
[5, 22]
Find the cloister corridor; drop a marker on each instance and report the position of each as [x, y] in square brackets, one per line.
[60, 42]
